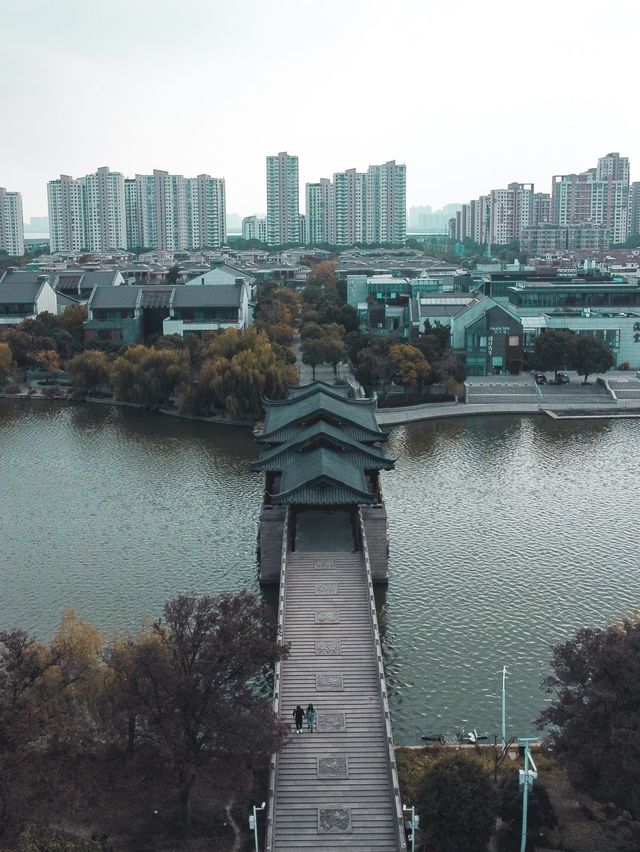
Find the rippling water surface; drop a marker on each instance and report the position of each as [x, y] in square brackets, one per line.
[506, 535]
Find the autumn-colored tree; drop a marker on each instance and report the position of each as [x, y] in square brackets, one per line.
[149, 376]
[190, 681]
[325, 273]
[34, 839]
[47, 360]
[410, 366]
[240, 369]
[90, 370]
[6, 361]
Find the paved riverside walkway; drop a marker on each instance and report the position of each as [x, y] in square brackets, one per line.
[334, 789]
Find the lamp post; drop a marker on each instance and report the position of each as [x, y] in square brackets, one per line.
[527, 777]
[504, 706]
[253, 823]
[413, 824]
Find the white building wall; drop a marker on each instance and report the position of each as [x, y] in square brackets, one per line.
[283, 201]
[66, 215]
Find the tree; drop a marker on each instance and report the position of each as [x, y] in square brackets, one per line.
[335, 352]
[90, 370]
[313, 353]
[410, 366]
[540, 813]
[240, 369]
[6, 362]
[457, 804]
[172, 275]
[594, 711]
[589, 354]
[35, 839]
[325, 273]
[374, 367]
[47, 360]
[551, 350]
[149, 376]
[190, 681]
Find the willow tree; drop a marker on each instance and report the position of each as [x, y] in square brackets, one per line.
[240, 369]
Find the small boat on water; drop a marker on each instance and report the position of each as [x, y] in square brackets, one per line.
[460, 737]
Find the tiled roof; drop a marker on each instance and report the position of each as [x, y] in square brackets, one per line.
[322, 476]
[19, 292]
[322, 434]
[115, 297]
[208, 296]
[319, 404]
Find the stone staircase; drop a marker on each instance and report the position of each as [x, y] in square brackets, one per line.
[334, 788]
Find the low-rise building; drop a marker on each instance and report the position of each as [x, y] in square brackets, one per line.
[24, 295]
[126, 315]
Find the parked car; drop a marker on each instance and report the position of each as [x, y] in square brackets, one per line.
[562, 379]
[540, 379]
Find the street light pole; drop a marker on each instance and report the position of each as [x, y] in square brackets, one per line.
[253, 823]
[527, 777]
[504, 706]
[413, 824]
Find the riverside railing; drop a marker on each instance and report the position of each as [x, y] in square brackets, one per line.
[273, 764]
[391, 756]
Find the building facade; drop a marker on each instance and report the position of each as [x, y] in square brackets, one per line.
[105, 211]
[599, 195]
[318, 212]
[11, 222]
[254, 228]
[283, 200]
[66, 214]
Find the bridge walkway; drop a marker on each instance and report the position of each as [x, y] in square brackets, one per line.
[336, 788]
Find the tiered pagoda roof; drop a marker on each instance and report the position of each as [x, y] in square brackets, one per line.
[323, 448]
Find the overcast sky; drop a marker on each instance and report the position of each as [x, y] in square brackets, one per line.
[469, 94]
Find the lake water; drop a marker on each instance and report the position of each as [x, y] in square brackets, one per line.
[506, 534]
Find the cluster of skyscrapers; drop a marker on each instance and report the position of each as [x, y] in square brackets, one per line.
[105, 210]
[590, 210]
[355, 207]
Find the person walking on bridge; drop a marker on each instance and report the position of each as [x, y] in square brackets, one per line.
[298, 715]
[312, 717]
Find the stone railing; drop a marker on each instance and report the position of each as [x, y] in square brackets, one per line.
[390, 750]
[273, 764]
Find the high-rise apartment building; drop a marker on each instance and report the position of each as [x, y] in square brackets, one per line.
[104, 211]
[87, 213]
[283, 200]
[348, 208]
[254, 228]
[358, 207]
[66, 214]
[502, 215]
[318, 215]
[634, 209]
[11, 222]
[599, 195]
[385, 213]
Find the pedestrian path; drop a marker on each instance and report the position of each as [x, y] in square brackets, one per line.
[335, 788]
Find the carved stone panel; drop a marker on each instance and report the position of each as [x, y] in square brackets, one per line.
[324, 564]
[327, 616]
[329, 683]
[334, 820]
[331, 723]
[334, 766]
[328, 648]
[327, 588]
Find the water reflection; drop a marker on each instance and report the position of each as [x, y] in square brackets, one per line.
[506, 534]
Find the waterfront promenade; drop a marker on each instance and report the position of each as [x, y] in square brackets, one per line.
[617, 395]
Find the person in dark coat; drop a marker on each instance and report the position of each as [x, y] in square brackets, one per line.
[298, 715]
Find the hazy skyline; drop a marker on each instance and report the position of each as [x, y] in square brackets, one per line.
[470, 96]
